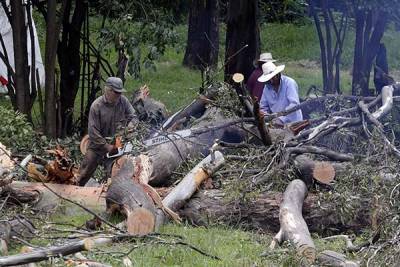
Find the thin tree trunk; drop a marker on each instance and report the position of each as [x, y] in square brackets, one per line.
[321, 45]
[203, 35]
[33, 91]
[366, 47]
[52, 33]
[70, 61]
[328, 22]
[358, 52]
[242, 38]
[20, 56]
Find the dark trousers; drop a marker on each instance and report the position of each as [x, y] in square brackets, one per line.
[89, 164]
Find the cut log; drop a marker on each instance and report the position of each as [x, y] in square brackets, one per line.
[209, 207]
[189, 184]
[44, 200]
[293, 227]
[310, 170]
[128, 196]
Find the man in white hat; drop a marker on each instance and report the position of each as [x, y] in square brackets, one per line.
[255, 87]
[107, 112]
[280, 94]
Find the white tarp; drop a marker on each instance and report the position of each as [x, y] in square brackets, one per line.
[6, 33]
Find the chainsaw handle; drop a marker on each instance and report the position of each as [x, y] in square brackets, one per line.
[120, 151]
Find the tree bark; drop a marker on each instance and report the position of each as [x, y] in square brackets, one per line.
[261, 213]
[242, 38]
[203, 35]
[52, 32]
[45, 200]
[70, 60]
[19, 30]
[370, 27]
[177, 198]
[293, 227]
[55, 251]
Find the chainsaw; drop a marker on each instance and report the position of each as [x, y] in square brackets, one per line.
[122, 149]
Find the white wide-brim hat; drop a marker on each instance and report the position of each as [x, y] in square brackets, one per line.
[266, 57]
[270, 70]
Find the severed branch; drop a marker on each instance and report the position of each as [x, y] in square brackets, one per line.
[63, 250]
[293, 227]
[85, 245]
[259, 120]
[189, 184]
[333, 155]
[387, 100]
[337, 122]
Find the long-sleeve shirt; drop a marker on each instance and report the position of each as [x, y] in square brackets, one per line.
[286, 98]
[104, 119]
[255, 87]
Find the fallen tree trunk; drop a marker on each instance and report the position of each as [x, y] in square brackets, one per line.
[168, 156]
[293, 227]
[261, 213]
[43, 199]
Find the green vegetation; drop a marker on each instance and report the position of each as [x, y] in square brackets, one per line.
[15, 131]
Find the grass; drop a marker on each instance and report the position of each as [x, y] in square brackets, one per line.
[232, 246]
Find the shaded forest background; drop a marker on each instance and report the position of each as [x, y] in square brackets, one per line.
[181, 46]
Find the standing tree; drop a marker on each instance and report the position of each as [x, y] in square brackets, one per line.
[242, 37]
[371, 18]
[52, 33]
[24, 96]
[70, 60]
[203, 35]
[331, 39]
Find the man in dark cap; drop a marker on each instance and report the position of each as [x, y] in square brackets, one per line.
[107, 112]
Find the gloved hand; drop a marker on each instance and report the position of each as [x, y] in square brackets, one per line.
[111, 149]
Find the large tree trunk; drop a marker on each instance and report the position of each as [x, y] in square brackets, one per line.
[165, 158]
[261, 213]
[203, 35]
[19, 30]
[242, 38]
[70, 61]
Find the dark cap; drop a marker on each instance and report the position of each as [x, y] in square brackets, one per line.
[115, 83]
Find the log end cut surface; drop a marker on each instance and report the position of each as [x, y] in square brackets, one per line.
[140, 222]
[324, 172]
